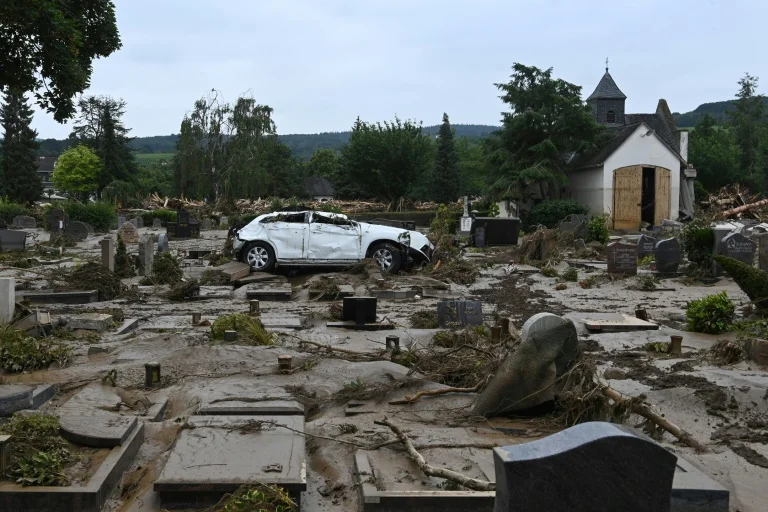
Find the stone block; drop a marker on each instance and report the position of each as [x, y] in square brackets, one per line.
[146, 255]
[129, 324]
[7, 299]
[162, 243]
[757, 350]
[157, 223]
[12, 240]
[74, 297]
[600, 467]
[108, 252]
[361, 310]
[24, 222]
[233, 270]
[14, 397]
[90, 322]
[268, 292]
[97, 430]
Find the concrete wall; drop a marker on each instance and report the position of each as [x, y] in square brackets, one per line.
[650, 151]
[587, 188]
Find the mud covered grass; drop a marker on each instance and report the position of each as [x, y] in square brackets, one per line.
[250, 330]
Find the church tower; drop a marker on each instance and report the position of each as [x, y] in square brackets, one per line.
[607, 101]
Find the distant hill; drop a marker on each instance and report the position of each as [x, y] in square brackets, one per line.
[718, 110]
[302, 145]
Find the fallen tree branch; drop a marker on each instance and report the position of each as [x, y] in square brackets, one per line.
[744, 208]
[435, 392]
[329, 348]
[646, 412]
[469, 483]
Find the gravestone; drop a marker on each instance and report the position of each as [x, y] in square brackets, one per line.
[573, 222]
[480, 237]
[76, 230]
[458, 313]
[146, 255]
[12, 240]
[7, 299]
[223, 221]
[139, 222]
[646, 246]
[108, 252]
[162, 243]
[128, 233]
[361, 310]
[738, 247]
[120, 221]
[667, 256]
[57, 219]
[532, 375]
[24, 222]
[595, 466]
[206, 224]
[465, 225]
[622, 258]
[157, 223]
[182, 225]
[135, 222]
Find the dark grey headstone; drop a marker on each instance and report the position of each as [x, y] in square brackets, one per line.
[182, 228]
[458, 313]
[480, 237]
[12, 240]
[646, 246]
[738, 247]
[599, 467]
[667, 255]
[361, 310]
[206, 224]
[622, 258]
[76, 230]
[57, 220]
[139, 222]
[162, 243]
[24, 222]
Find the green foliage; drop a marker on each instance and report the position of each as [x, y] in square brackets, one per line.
[647, 282]
[570, 274]
[712, 314]
[10, 210]
[446, 175]
[249, 329]
[550, 213]
[751, 280]
[698, 241]
[716, 156]
[164, 215]
[699, 191]
[276, 204]
[597, 229]
[100, 215]
[424, 319]
[441, 234]
[123, 265]
[324, 163]
[48, 48]
[548, 119]
[78, 171]
[19, 180]
[330, 207]
[39, 453]
[21, 353]
[385, 160]
[422, 218]
[717, 109]
[749, 124]
[261, 498]
[549, 271]
[166, 270]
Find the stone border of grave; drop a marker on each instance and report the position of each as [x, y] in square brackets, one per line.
[88, 498]
[440, 501]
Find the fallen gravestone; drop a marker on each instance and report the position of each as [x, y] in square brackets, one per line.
[622, 258]
[128, 233]
[667, 255]
[162, 243]
[458, 313]
[595, 466]
[646, 246]
[24, 222]
[12, 240]
[530, 376]
[76, 230]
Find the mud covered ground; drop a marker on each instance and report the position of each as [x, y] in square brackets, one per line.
[723, 406]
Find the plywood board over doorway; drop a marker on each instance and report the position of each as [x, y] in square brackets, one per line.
[662, 196]
[627, 197]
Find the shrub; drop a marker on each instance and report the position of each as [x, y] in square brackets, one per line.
[164, 215]
[699, 192]
[166, 270]
[10, 210]
[751, 280]
[123, 264]
[550, 213]
[549, 271]
[250, 330]
[571, 274]
[101, 216]
[257, 498]
[712, 314]
[698, 242]
[21, 353]
[597, 229]
[95, 276]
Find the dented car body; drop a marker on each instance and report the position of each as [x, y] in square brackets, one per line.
[312, 238]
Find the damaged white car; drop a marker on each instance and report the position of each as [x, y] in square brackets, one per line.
[312, 238]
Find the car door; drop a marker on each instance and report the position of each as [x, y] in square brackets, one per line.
[333, 238]
[288, 233]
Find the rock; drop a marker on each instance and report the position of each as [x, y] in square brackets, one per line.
[528, 377]
[614, 374]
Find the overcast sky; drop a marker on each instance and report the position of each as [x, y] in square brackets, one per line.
[322, 63]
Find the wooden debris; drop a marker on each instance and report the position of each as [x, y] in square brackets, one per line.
[435, 392]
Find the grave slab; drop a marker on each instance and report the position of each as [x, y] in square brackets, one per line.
[459, 313]
[221, 453]
[42, 393]
[88, 498]
[693, 491]
[280, 321]
[97, 429]
[369, 326]
[98, 399]
[129, 324]
[393, 294]
[261, 277]
[252, 408]
[233, 270]
[90, 322]
[14, 397]
[266, 292]
[345, 290]
[73, 297]
[194, 254]
[615, 322]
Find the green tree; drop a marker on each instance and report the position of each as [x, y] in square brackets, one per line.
[77, 172]
[472, 167]
[714, 153]
[547, 120]
[446, 182]
[385, 160]
[48, 47]
[100, 127]
[19, 180]
[749, 127]
[324, 163]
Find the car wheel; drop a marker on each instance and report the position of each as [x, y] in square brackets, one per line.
[260, 257]
[388, 257]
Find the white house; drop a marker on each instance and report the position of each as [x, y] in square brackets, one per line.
[640, 175]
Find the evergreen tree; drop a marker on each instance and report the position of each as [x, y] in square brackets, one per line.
[19, 179]
[749, 127]
[446, 184]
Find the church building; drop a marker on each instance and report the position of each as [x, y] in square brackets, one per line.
[640, 176]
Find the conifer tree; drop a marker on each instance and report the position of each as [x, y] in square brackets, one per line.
[446, 166]
[19, 180]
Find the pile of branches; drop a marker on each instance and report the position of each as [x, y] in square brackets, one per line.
[736, 202]
[155, 202]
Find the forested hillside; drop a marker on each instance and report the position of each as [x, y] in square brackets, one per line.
[717, 109]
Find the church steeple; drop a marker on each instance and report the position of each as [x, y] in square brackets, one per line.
[607, 101]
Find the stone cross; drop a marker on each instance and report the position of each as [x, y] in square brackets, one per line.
[595, 466]
[667, 256]
[622, 258]
[108, 252]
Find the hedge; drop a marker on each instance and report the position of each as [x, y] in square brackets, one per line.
[751, 280]
[550, 213]
[10, 210]
[165, 216]
[101, 216]
[422, 218]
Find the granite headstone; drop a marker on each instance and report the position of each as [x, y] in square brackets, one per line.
[622, 258]
[128, 233]
[458, 313]
[24, 222]
[646, 246]
[480, 237]
[667, 254]
[157, 223]
[76, 230]
[57, 220]
[738, 247]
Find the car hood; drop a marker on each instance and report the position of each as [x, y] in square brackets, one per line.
[417, 240]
